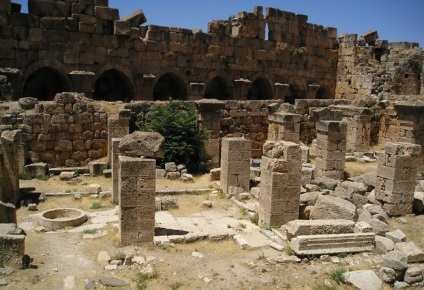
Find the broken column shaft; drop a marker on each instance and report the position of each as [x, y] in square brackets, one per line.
[280, 183]
[396, 174]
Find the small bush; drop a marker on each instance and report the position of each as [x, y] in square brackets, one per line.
[96, 205]
[43, 177]
[24, 176]
[90, 232]
[338, 275]
[242, 225]
[177, 123]
[255, 219]
[242, 210]
[324, 287]
[288, 250]
[142, 282]
[342, 255]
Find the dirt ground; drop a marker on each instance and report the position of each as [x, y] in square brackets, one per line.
[67, 261]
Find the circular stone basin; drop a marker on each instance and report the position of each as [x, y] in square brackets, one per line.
[60, 218]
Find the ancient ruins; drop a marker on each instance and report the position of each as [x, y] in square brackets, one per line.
[287, 113]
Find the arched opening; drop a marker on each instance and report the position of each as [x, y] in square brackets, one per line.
[260, 89]
[323, 93]
[218, 89]
[169, 86]
[293, 94]
[112, 86]
[45, 83]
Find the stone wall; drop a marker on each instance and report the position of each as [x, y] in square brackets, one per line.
[84, 45]
[69, 131]
[370, 66]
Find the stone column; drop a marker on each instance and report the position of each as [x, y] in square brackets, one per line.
[281, 91]
[210, 115]
[396, 174]
[241, 89]
[280, 183]
[330, 152]
[115, 169]
[235, 163]
[197, 91]
[312, 91]
[117, 128]
[358, 120]
[9, 143]
[136, 200]
[284, 126]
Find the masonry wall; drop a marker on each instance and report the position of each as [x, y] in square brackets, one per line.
[370, 66]
[83, 45]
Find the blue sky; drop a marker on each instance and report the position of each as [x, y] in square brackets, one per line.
[395, 20]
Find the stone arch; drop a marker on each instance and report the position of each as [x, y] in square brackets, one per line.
[260, 89]
[113, 83]
[44, 79]
[171, 85]
[219, 88]
[323, 92]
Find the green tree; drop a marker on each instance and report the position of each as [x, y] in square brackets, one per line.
[177, 122]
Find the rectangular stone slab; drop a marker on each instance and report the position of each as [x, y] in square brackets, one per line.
[320, 227]
[333, 244]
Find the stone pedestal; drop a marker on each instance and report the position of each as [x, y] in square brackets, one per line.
[396, 174]
[330, 152]
[9, 178]
[235, 163]
[136, 200]
[280, 183]
[284, 126]
[117, 128]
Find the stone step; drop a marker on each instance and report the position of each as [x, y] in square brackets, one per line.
[319, 227]
[333, 244]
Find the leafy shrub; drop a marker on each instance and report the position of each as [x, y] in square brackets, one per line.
[24, 176]
[96, 205]
[177, 122]
[43, 177]
[338, 275]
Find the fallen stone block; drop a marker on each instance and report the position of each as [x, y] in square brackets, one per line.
[388, 275]
[326, 183]
[333, 244]
[364, 279]
[378, 227]
[215, 174]
[362, 227]
[413, 253]
[413, 275]
[309, 198]
[66, 176]
[331, 207]
[347, 189]
[395, 260]
[383, 245]
[142, 144]
[318, 227]
[396, 236]
[97, 168]
[370, 37]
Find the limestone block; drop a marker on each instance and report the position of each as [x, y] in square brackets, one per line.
[413, 275]
[7, 213]
[170, 167]
[333, 244]
[97, 168]
[106, 13]
[388, 275]
[318, 227]
[136, 18]
[413, 253]
[49, 8]
[396, 260]
[347, 189]
[328, 207]
[378, 227]
[364, 279]
[122, 27]
[370, 37]
[384, 245]
[37, 169]
[12, 246]
[146, 144]
[309, 198]
[5, 6]
[396, 236]
[362, 227]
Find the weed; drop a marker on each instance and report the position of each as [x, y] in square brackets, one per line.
[68, 191]
[119, 255]
[43, 177]
[221, 193]
[142, 282]
[266, 227]
[170, 54]
[255, 219]
[90, 232]
[242, 225]
[197, 192]
[263, 270]
[223, 58]
[96, 205]
[175, 286]
[288, 250]
[24, 176]
[210, 56]
[242, 210]
[342, 255]
[338, 275]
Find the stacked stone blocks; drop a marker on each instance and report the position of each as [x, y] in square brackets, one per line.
[235, 164]
[396, 174]
[331, 146]
[137, 200]
[284, 126]
[280, 183]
